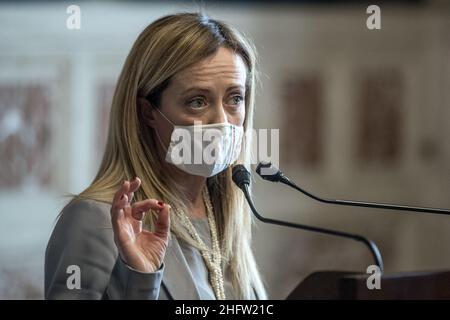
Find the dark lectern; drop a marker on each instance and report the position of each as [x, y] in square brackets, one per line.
[350, 285]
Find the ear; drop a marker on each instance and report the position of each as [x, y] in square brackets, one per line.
[146, 109]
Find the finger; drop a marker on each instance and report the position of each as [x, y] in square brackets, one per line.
[134, 185]
[119, 210]
[118, 196]
[163, 222]
[139, 209]
[130, 198]
[122, 203]
[119, 201]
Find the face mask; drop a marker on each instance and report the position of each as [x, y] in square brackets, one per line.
[203, 150]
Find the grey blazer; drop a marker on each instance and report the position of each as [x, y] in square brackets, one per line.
[83, 236]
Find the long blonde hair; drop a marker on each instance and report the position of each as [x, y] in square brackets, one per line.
[165, 47]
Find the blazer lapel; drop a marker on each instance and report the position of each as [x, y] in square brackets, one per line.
[177, 277]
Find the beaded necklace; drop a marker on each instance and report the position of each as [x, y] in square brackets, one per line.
[212, 256]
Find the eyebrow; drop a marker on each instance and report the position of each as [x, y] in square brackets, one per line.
[196, 88]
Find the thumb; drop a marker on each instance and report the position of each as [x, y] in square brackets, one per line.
[163, 222]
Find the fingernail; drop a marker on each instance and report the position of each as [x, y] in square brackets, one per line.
[160, 203]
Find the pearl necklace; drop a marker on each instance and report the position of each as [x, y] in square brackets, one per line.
[212, 258]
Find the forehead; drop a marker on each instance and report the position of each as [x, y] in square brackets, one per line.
[223, 67]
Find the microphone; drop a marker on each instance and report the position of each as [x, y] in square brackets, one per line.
[268, 171]
[241, 177]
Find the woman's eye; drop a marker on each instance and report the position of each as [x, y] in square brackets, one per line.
[235, 100]
[196, 103]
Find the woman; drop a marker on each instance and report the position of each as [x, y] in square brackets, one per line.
[151, 226]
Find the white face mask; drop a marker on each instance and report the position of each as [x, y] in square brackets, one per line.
[203, 150]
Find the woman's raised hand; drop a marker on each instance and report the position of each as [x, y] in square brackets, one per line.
[140, 249]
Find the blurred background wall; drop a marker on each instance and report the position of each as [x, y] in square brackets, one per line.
[363, 114]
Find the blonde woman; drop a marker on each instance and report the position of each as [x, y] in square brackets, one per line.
[149, 226]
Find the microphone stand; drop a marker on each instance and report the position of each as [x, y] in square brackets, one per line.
[241, 178]
[277, 176]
